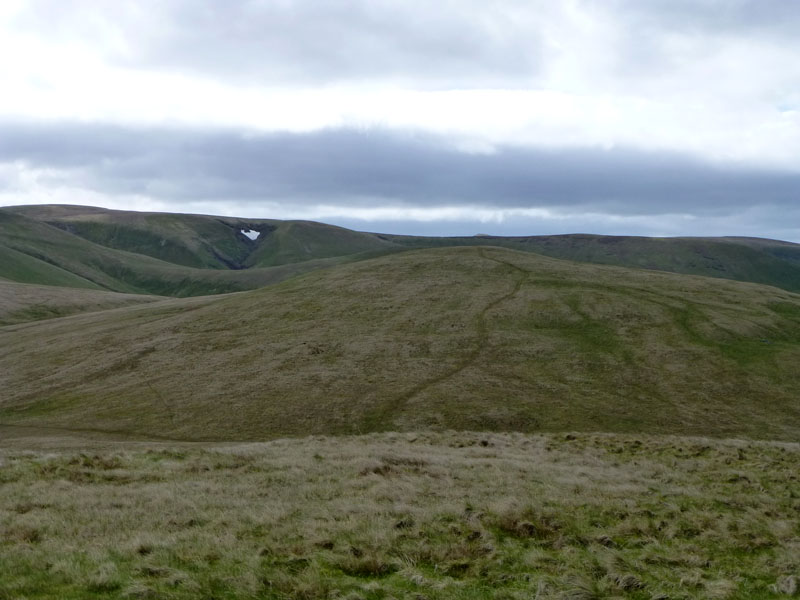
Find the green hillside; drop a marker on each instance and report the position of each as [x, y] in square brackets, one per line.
[461, 338]
[33, 251]
[202, 242]
[20, 267]
[297, 241]
[206, 242]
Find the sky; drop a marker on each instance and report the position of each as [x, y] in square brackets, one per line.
[456, 117]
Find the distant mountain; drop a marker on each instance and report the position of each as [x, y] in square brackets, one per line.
[205, 242]
[97, 249]
[182, 255]
[447, 338]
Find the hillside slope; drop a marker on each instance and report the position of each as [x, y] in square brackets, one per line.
[203, 241]
[770, 262]
[23, 302]
[465, 338]
[33, 251]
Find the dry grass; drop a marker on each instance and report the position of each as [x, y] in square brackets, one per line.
[20, 302]
[460, 338]
[415, 515]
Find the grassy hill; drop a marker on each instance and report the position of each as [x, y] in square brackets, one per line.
[770, 262]
[34, 251]
[123, 244]
[586, 387]
[206, 242]
[22, 302]
[462, 338]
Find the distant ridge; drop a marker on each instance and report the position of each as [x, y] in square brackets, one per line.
[103, 250]
[182, 254]
[770, 262]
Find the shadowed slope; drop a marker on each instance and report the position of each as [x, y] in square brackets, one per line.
[33, 251]
[203, 241]
[472, 338]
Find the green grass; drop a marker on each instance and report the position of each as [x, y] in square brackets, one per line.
[297, 241]
[452, 338]
[23, 268]
[187, 245]
[32, 251]
[140, 241]
[206, 242]
[416, 515]
[573, 387]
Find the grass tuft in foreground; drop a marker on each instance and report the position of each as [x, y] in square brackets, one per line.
[425, 516]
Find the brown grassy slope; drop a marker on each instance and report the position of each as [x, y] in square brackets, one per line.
[21, 302]
[764, 261]
[463, 338]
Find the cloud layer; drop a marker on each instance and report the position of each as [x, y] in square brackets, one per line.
[380, 174]
[671, 116]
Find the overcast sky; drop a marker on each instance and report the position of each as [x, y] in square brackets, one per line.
[511, 117]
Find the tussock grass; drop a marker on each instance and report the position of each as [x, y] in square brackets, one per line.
[416, 515]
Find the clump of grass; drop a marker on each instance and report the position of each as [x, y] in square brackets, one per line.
[105, 579]
[527, 523]
[364, 566]
[25, 534]
[787, 585]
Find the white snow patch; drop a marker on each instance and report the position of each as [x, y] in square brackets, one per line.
[251, 233]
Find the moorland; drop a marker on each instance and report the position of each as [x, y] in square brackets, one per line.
[188, 411]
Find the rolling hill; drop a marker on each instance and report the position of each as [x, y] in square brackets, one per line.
[770, 262]
[593, 393]
[205, 242]
[447, 338]
[183, 255]
[23, 302]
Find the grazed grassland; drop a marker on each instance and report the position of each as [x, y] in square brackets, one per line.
[412, 515]
[454, 338]
[22, 302]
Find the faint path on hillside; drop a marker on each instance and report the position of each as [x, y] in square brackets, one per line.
[103, 434]
[481, 341]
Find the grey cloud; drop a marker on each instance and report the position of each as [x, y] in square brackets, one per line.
[274, 43]
[659, 39]
[466, 44]
[731, 17]
[362, 168]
